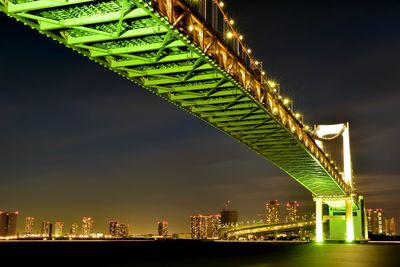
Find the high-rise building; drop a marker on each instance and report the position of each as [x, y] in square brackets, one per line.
[8, 223]
[369, 219]
[113, 228]
[29, 222]
[272, 212]
[376, 221]
[229, 217]
[213, 226]
[162, 228]
[58, 229]
[123, 230]
[390, 226]
[74, 229]
[292, 208]
[46, 228]
[87, 226]
[205, 226]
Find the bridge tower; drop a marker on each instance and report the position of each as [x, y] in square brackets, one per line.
[339, 217]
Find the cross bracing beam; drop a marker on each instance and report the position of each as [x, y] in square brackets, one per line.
[233, 113]
[191, 87]
[255, 135]
[46, 24]
[242, 129]
[213, 101]
[140, 61]
[215, 108]
[165, 71]
[11, 7]
[202, 77]
[233, 120]
[137, 48]
[196, 95]
[149, 43]
[71, 40]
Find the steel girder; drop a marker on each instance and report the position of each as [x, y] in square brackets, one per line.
[137, 41]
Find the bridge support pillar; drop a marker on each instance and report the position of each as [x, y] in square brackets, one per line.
[349, 220]
[318, 220]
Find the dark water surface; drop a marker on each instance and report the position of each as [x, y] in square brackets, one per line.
[196, 253]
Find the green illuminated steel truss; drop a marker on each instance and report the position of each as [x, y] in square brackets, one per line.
[132, 39]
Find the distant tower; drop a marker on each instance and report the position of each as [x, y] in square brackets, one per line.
[74, 229]
[390, 226]
[370, 213]
[163, 228]
[379, 226]
[46, 228]
[58, 229]
[8, 223]
[229, 217]
[272, 212]
[292, 211]
[123, 230]
[87, 226]
[29, 222]
[376, 221]
[113, 227]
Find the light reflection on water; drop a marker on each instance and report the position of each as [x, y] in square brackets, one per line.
[326, 255]
[203, 254]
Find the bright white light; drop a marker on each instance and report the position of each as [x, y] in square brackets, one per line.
[272, 83]
[221, 4]
[229, 35]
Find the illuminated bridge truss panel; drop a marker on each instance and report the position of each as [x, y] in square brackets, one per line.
[141, 44]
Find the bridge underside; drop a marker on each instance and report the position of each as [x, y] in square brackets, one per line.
[133, 40]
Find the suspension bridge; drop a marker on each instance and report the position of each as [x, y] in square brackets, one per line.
[191, 54]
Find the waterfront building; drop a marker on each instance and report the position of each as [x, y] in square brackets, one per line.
[58, 229]
[376, 221]
[272, 212]
[123, 230]
[113, 228]
[205, 226]
[8, 223]
[369, 219]
[292, 208]
[46, 228]
[29, 222]
[390, 226]
[162, 228]
[74, 229]
[87, 226]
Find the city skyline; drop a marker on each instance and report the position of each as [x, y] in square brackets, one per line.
[292, 212]
[88, 142]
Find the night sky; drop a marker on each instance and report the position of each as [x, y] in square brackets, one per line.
[78, 140]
